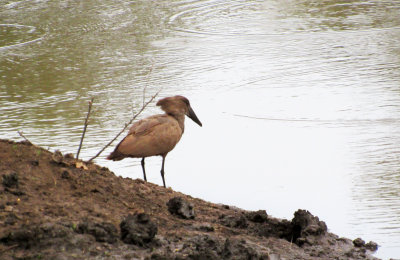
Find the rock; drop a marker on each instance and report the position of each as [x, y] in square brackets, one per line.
[57, 157]
[234, 221]
[259, 216]
[180, 207]
[65, 174]
[274, 228]
[304, 224]
[69, 156]
[103, 232]
[205, 227]
[371, 245]
[235, 248]
[214, 247]
[358, 242]
[10, 180]
[43, 235]
[202, 247]
[138, 229]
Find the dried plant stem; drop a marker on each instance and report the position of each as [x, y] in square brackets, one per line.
[8, 248]
[85, 126]
[126, 125]
[147, 82]
[23, 136]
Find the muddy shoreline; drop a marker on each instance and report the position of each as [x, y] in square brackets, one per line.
[53, 206]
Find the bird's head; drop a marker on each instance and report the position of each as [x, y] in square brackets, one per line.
[178, 105]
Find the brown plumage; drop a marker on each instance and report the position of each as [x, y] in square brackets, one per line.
[156, 135]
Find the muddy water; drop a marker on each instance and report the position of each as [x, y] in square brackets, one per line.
[300, 100]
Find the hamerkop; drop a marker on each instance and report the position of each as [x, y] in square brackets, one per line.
[158, 134]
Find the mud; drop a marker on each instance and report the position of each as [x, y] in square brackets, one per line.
[55, 207]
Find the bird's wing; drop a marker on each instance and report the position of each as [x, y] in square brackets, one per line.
[155, 135]
[145, 126]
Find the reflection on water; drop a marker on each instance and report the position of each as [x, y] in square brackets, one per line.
[300, 100]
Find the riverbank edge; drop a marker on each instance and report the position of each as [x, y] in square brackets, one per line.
[53, 206]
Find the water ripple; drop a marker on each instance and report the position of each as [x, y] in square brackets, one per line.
[17, 35]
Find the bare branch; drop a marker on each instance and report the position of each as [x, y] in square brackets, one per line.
[85, 126]
[147, 82]
[126, 125]
[23, 136]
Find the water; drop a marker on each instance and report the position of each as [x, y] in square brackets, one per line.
[299, 100]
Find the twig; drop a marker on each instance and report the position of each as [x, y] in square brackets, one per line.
[8, 248]
[147, 82]
[126, 125]
[85, 126]
[23, 136]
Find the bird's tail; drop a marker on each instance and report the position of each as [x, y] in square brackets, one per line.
[115, 156]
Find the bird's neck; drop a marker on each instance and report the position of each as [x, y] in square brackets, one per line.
[181, 120]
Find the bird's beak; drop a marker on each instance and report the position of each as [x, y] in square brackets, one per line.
[193, 116]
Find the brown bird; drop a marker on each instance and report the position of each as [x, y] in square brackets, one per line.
[158, 134]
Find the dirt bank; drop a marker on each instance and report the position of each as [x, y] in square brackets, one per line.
[53, 207]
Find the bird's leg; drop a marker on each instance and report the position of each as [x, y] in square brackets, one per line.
[144, 171]
[162, 170]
